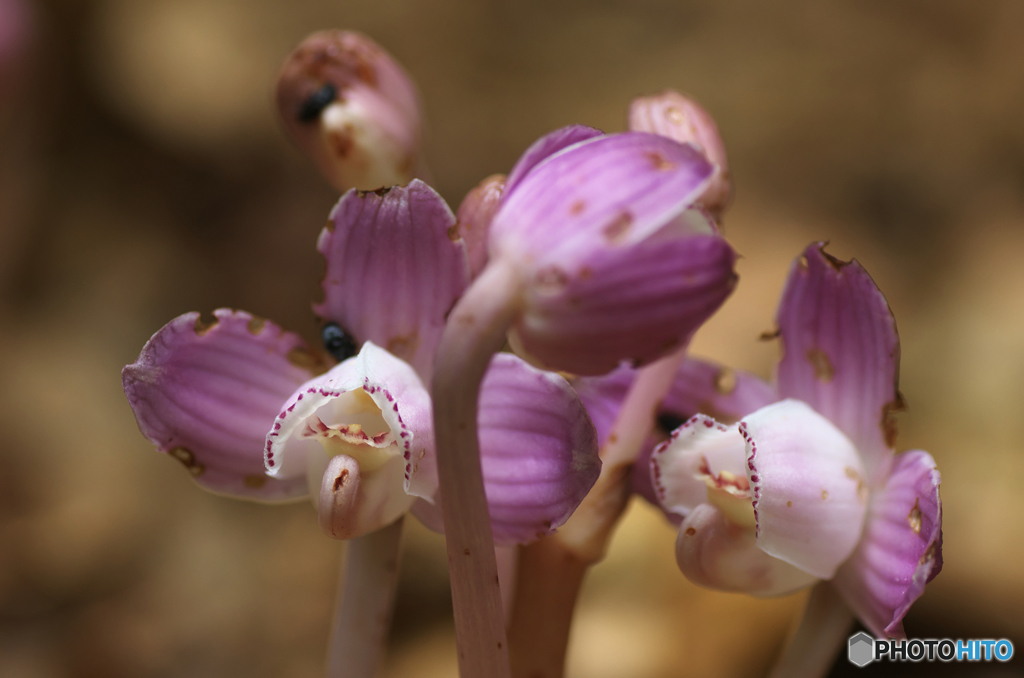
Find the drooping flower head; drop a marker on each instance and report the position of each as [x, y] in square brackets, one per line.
[254, 413]
[352, 109]
[612, 262]
[809, 488]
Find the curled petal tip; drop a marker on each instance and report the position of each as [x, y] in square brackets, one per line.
[350, 107]
[339, 496]
[680, 118]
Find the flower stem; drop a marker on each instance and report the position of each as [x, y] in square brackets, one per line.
[366, 596]
[822, 632]
[551, 570]
[475, 330]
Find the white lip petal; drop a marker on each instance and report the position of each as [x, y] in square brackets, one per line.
[373, 410]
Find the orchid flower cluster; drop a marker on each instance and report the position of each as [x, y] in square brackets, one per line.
[498, 371]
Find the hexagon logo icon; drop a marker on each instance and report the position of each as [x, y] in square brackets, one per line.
[861, 650]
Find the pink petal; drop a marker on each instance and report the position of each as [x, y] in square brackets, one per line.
[717, 554]
[810, 497]
[395, 267]
[545, 147]
[374, 409]
[349, 106]
[208, 394]
[475, 215]
[678, 117]
[635, 303]
[538, 452]
[901, 549]
[698, 448]
[841, 353]
[607, 193]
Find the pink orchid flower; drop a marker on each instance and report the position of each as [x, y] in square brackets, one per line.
[610, 259]
[809, 488]
[244, 406]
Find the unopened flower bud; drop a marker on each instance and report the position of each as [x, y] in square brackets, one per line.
[475, 214]
[675, 116]
[349, 106]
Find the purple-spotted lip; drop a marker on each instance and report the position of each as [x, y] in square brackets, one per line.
[297, 413]
[394, 389]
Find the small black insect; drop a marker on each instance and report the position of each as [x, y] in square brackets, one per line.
[316, 103]
[338, 342]
[669, 421]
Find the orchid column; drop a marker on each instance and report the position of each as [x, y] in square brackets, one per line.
[594, 258]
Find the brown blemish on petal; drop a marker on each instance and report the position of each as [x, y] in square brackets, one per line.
[659, 162]
[690, 531]
[862, 487]
[823, 369]
[577, 207]
[256, 324]
[914, 517]
[188, 460]
[675, 115]
[617, 229]
[789, 504]
[824, 495]
[585, 273]
[329, 225]
[204, 325]
[340, 141]
[888, 423]
[254, 482]
[453, 232]
[928, 555]
[725, 381]
[339, 482]
[403, 346]
[305, 359]
[552, 279]
[837, 264]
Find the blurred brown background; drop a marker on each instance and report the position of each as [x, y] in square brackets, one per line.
[142, 175]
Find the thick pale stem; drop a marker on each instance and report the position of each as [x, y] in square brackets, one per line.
[551, 571]
[475, 331]
[822, 633]
[366, 597]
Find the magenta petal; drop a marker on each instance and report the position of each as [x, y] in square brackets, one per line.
[545, 147]
[395, 267]
[634, 303]
[841, 353]
[901, 549]
[208, 394]
[538, 449]
[607, 193]
[810, 497]
[538, 452]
